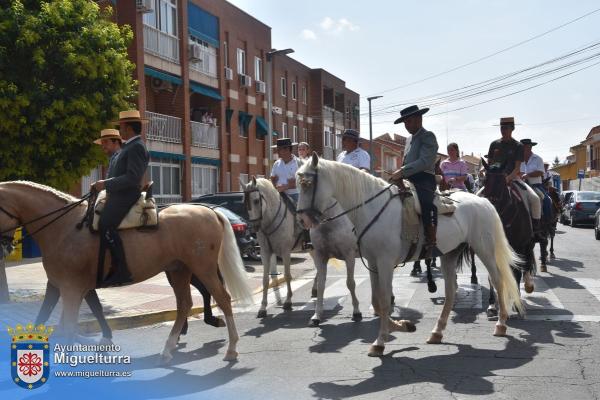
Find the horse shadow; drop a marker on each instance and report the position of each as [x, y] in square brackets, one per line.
[449, 371]
[332, 338]
[292, 319]
[564, 264]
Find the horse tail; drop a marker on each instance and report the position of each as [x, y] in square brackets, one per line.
[231, 265]
[505, 259]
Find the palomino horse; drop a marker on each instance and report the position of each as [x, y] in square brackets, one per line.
[376, 212]
[190, 240]
[279, 233]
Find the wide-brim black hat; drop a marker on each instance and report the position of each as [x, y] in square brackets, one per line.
[285, 142]
[409, 112]
[351, 134]
[528, 141]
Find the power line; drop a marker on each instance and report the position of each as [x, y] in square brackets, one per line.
[489, 55]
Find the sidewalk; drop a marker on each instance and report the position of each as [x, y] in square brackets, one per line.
[145, 303]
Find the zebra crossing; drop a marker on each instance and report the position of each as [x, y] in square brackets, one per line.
[543, 304]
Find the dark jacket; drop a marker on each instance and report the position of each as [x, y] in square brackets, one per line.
[110, 173]
[127, 172]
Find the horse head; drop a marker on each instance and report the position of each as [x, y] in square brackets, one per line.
[314, 191]
[9, 221]
[495, 188]
[253, 202]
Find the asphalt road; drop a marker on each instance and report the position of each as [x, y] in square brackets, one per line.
[552, 354]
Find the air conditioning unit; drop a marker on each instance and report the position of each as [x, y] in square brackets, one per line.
[245, 81]
[228, 74]
[144, 6]
[261, 87]
[277, 110]
[195, 52]
[158, 84]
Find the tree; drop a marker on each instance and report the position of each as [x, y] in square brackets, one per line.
[556, 162]
[64, 74]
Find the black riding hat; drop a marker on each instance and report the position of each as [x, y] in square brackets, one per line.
[409, 112]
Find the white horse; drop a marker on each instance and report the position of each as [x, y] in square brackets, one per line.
[280, 234]
[377, 217]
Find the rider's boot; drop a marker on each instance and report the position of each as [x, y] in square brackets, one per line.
[431, 249]
[120, 274]
[537, 228]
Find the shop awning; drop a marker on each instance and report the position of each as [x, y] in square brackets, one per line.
[205, 91]
[206, 161]
[162, 75]
[166, 156]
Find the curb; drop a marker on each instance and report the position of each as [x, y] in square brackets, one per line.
[139, 320]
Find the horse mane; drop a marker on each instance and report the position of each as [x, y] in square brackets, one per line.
[67, 198]
[268, 190]
[351, 184]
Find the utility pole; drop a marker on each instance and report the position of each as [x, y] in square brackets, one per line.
[369, 99]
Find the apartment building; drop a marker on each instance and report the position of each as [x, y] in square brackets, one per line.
[202, 67]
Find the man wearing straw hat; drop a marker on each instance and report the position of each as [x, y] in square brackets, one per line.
[123, 189]
[110, 140]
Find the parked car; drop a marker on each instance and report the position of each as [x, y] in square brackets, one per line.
[581, 207]
[246, 241]
[597, 224]
[233, 201]
[565, 196]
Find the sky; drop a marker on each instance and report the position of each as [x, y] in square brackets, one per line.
[376, 46]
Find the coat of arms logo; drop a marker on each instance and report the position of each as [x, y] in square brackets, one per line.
[30, 355]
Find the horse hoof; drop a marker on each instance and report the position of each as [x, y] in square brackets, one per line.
[220, 323]
[414, 273]
[262, 314]
[165, 359]
[432, 287]
[376, 351]
[474, 280]
[313, 293]
[408, 326]
[357, 317]
[500, 330]
[105, 342]
[529, 288]
[492, 314]
[287, 306]
[314, 322]
[435, 338]
[552, 257]
[231, 355]
[543, 268]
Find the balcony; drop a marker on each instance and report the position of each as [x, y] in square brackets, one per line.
[206, 64]
[205, 135]
[161, 44]
[167, 199]
[163, 128]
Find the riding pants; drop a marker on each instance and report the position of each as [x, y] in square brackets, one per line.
[425, 186]
[540, 190]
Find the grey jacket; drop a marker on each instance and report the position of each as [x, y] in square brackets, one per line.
[127, 172]
[421, 154]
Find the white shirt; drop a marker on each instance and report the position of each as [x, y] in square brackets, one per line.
[357, 158]
[284, 172]
[535, 163]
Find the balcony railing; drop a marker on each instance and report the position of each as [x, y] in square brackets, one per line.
[161, 44]
[205, 135]
[207, 64]
[163, 128]
[167, 199]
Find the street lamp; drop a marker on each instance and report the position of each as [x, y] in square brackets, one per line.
[269, 141]
[371, 133]
[270, 55]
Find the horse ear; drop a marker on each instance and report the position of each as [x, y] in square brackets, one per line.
[315, 159]
[253, 180]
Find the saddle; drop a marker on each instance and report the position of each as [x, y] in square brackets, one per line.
[444, 205]
[143, 214]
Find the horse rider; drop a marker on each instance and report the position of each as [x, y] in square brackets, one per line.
[454, 169]
[419, 168]
[283, 173]
[111, 142]
[533, 172]
[123, 189]
[303, 151]
[506, 154]
[353, 154]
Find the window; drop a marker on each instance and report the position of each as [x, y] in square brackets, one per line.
[163, 17]
[243, 181]
[241, 61]
[283, 87]
[226, 54]
[327, 137]
[204, 179]
[258, 69]
[294, 134]
[390, 162]
[304, 94]
[338, 139]
[284, 132]
[294, 91]
[305, 135]
[167, 180]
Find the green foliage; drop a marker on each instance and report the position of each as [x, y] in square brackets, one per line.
[64, 74]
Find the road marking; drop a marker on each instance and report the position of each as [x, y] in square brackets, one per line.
[335, 294]
[591, 285]
[278, 292]
[542, 298]
[564, 317]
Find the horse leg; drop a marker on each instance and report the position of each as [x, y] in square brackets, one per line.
[449, 270]
[431, 286]
[209, 318]
[528, 274]
[216, 288]
[492, 311]
[50, 300]
[495, 279]
[543, 253]
[321, 266]
[416, 268]
[313, 291]
[92, 300]
[267, 259]
[474, 280]
[287, 305]
[180, 282]
[70, 315]
[552, 256]
[351, 284]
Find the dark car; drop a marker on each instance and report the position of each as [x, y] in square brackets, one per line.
[233, 201]
[565, 196]
[597, 224]
[246, 241]
[581, 207]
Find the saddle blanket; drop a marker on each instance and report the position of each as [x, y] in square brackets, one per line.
[440, 200]
[143, 213]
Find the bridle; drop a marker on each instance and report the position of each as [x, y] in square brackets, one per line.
[267, 231]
